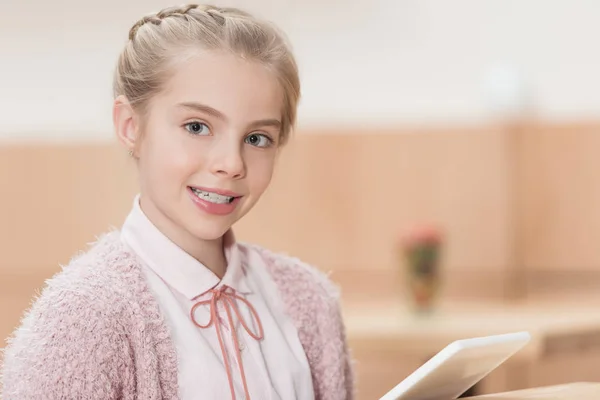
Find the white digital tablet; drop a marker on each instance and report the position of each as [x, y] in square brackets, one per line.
[458, 367]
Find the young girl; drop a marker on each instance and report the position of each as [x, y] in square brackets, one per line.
[171, 306]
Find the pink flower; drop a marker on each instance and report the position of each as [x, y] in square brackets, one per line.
[421, 235]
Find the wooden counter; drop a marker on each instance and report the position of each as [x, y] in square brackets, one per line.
[389, 342]
[573, 391]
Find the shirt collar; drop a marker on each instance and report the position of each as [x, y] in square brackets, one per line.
[176, 267]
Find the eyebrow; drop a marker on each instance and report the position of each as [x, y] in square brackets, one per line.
[217, 114]
[265, 122]
[203, 108]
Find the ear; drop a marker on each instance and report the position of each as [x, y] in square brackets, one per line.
[126, 123]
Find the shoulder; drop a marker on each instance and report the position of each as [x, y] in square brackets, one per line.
[72, 328]
[296, 278]
[99, 278]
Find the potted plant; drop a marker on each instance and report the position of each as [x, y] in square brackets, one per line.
[421, 248]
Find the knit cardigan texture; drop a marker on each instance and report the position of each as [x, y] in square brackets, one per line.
[96, 331]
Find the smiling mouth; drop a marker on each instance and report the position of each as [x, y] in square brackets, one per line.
[212, 197]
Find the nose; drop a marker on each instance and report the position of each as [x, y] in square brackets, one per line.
[228, 160]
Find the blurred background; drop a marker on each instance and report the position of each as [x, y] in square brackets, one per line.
[445, 171]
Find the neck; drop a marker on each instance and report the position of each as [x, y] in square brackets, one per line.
[209, 253]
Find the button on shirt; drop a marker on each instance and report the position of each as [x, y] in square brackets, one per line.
[199, 307]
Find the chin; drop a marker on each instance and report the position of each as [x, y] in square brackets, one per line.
[208, 231]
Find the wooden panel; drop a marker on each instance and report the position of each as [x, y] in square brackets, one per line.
[582, 366]
[563, 281]
[560, 196]
[338, 201]
[570, 391]
[361, 285]
[514, 200]
[342, 200]
[57, 198]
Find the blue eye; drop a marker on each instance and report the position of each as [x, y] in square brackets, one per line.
[259, 140]
[197, 128]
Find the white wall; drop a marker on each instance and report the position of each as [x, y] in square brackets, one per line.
[368, 62]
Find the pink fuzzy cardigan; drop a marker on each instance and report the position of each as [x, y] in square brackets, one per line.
[96, 332]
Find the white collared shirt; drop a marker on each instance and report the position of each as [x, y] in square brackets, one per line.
[275, 367]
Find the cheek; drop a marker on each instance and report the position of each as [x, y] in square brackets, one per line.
[167, 161]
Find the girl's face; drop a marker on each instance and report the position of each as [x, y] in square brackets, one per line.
[209, 145]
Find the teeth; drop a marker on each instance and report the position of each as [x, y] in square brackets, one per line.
[212, 197]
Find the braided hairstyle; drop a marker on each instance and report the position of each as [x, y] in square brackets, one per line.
[159, 41]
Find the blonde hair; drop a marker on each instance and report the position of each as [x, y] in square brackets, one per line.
[156, 42]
